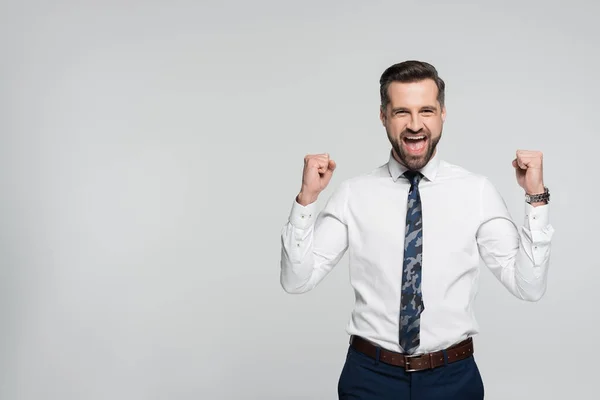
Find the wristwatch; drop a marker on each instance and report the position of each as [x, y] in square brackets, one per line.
[539, 197]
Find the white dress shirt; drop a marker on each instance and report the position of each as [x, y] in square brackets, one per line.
[464, 220]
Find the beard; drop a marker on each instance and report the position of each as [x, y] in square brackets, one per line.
[411, 161]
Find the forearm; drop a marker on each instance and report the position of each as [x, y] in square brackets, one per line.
[519, 257]
[311, 245]
[531, 265]
[297, 261]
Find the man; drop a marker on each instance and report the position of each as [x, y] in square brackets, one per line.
[415, 229]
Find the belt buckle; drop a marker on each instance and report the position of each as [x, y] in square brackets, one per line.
[407, 362]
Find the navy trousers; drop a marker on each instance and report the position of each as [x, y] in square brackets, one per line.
[364, 378]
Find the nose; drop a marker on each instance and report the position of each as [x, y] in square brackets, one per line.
[415, 124]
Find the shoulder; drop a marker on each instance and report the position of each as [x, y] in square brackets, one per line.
[482, 193]
[450, 171]
[369, 178]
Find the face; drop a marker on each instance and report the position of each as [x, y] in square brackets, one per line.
[413, 120]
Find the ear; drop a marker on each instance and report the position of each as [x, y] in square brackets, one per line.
[382, 115]
[444, 114]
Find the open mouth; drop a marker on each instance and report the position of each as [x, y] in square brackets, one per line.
[415, 144]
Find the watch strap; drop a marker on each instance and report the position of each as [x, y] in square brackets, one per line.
[538, 197]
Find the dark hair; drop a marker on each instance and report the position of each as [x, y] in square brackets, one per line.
[410, 71]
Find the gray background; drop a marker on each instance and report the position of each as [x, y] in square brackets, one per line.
[150, 153]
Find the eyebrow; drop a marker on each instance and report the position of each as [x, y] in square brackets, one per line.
[433, 108]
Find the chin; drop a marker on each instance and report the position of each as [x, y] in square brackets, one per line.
[413, 162]
[416, 163]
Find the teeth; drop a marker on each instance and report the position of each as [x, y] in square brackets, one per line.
[415, 137]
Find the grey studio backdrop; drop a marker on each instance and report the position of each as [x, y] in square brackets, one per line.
[150, 153]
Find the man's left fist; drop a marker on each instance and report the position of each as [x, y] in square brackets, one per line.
[529, 170]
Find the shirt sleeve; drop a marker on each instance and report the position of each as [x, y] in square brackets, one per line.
[312, 244]
[518, 256]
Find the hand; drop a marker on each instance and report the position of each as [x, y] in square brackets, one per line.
[529, 170]
[318, 169]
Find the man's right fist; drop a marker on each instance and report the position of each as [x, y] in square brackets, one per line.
[318, 169]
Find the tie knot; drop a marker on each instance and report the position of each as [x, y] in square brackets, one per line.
[413, 176]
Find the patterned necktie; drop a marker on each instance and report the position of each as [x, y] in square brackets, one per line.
[411, 304]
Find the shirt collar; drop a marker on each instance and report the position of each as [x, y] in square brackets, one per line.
[429, 171]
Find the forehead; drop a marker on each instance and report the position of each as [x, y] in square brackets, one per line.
[407, 94]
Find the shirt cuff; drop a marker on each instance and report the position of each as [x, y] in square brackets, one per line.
[536, 218]
[301, 216]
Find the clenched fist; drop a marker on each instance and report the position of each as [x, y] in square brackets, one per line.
[529, 171]
[318, 169]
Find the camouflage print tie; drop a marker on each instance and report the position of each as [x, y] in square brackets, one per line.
[411, 303]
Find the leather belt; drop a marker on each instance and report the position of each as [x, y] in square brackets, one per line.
[412, 363]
